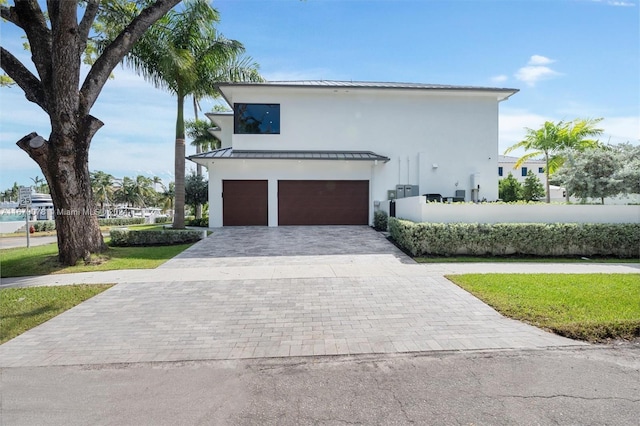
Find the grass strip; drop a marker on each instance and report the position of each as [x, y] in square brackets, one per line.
[43, 260]
[532, 259]
[21, 309]
[591, 307]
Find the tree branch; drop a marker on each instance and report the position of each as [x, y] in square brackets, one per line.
[90, 13]
[8, 13]
[39, 154]
[28, 82]
[114, 53]
[38, 34]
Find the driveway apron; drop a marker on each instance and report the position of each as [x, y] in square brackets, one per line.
[252, 292]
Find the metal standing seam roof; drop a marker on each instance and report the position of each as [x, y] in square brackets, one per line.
[365, 85]
[230, 153]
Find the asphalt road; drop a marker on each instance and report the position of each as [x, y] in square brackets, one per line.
[595, 386]
[21, 241]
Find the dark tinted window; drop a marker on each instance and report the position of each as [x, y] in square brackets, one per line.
[540, 169]
[499, 171]
[524, 171]
[256, 118]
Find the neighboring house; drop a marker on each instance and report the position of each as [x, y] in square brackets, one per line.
[506, 165]
[328, 152]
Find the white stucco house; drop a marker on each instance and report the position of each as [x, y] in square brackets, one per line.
[506, 165]
[328, 152]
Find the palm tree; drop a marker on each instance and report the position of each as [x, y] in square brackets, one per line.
[184, 54]
[552, 139]
[198, 130]
[167, 197]
[135, 192]
[103, 186]
[40, 185]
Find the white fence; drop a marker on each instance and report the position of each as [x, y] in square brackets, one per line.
[417, 209]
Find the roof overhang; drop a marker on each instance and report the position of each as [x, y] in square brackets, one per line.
[501, 94]
[234, 154]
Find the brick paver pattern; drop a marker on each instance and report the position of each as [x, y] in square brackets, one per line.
[274, 317]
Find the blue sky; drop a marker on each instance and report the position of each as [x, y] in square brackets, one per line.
[569, 58]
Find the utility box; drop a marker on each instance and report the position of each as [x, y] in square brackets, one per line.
[460, 196]
[391, 194]
[403, 191]
[475, 181]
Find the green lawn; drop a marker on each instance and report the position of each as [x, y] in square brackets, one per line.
[42, 260]
[509, 259]
[24, 308]
[592, 307]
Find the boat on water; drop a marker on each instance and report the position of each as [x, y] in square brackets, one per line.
[41, 209]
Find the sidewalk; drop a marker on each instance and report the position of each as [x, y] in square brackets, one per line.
[319, 270]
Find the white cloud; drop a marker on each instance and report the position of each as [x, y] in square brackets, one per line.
[536, 70]
[620, 130]
[539, 60]
[514, 122]
[499, 78]
[618, 3]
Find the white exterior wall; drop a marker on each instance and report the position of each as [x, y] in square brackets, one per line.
[274, 170]
[225, 122]
[417, 210]
[416, 129]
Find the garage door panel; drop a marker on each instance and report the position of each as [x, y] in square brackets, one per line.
[245, 203]
[334, 202]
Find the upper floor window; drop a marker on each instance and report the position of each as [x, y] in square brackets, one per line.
[256, 119]
[500, 171]
[540, 169]
[524, 171]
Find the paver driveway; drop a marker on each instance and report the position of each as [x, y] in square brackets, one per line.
[267, 292]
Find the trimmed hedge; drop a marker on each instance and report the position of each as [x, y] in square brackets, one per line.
[380, 220]
[202, 223]
[121, 221]
[50, 225]
[537, 239]
[162, 219]
[43, 225]
[123, 237]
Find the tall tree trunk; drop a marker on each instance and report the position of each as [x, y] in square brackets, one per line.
[546, 172]
[67, 173]
[198, 151]
[178, 218]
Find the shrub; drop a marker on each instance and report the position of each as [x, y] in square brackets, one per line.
[123, 237]
[121, 221]
[380, 220]
[162, 219]
[509, 189]
[203, 222]
[537, 239]
[43, 225]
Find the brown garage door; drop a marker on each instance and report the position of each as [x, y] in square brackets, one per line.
[245, 202]
[323, 202]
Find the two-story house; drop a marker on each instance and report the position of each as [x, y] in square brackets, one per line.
[328, 152]
[506, 165]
